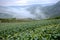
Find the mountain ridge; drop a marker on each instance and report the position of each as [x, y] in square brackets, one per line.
[40, 12]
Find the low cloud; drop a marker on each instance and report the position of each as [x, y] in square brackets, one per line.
[24, 2]
[22, 12]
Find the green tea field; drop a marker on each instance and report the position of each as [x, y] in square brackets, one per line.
[34, 30]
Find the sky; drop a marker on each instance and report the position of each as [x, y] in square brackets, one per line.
[25, 2]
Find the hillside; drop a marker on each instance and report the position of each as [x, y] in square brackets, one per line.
[5, 15]
[52, 11]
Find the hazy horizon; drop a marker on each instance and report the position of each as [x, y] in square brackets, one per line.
[22, 12]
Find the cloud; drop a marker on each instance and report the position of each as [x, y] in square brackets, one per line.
[15, 2]
[25, 2]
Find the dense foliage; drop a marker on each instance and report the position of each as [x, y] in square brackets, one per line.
[34, 30]
[11, 20]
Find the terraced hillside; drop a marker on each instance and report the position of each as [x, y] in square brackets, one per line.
[34, 30]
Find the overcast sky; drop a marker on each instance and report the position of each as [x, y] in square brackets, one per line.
[25, 2]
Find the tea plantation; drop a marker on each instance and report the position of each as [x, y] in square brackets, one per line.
[34, 30]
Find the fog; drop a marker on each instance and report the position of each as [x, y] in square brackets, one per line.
[22, 12]
[18, 8]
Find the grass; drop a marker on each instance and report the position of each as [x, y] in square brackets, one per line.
[34, 30]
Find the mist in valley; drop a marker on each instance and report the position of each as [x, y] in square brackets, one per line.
[32, 10]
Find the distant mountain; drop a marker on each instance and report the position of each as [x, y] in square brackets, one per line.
[29, 11]
[4, 15]
[52, 11]
[34, 11]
